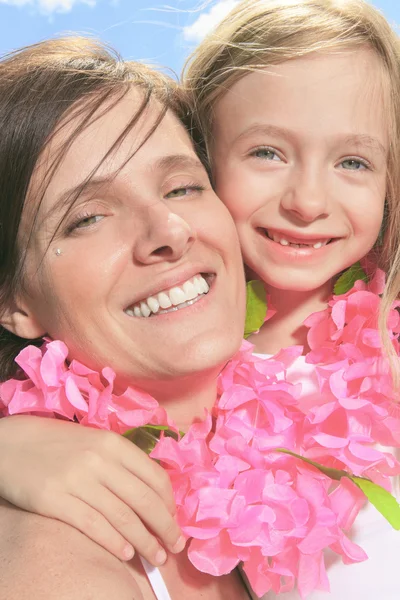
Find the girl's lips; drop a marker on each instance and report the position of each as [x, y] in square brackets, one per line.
[286, 238]
[298, 253]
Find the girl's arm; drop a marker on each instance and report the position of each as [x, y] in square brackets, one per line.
[94, 480]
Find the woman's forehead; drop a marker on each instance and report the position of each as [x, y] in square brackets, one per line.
[107, 145]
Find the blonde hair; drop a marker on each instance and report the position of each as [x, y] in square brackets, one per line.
[258, 33]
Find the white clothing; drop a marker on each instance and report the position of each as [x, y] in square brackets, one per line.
[158, 585]
[374, 579]
[156, 581]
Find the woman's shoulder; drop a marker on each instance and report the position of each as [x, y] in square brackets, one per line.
[43, 558]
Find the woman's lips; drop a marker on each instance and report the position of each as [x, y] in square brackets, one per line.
[172, 299]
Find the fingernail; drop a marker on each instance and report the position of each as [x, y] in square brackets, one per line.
[161, 557]
[128, 552]
[179, 545]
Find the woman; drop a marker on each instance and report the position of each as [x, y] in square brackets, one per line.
[100, 212]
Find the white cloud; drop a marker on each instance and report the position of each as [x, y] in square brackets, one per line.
[49, 6]
[207, 21]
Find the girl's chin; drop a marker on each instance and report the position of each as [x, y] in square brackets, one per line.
[299, 286]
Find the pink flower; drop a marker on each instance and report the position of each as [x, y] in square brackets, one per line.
[72, 391]
[357, 409]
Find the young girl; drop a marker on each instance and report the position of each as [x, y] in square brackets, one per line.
[303, 149]
[296, 105]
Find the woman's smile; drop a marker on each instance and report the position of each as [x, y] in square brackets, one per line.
[158, 282]
[172, 299]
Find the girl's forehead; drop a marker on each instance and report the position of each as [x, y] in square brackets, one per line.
[346, 89]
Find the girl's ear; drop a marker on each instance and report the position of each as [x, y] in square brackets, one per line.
[21, 321]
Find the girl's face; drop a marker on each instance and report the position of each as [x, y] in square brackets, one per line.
[140, 240]
[300, 159]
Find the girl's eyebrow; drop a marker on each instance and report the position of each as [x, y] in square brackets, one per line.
[359, 139]
[362, 139]
[265, 129]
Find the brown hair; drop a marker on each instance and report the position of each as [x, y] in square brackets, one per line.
[258, 33]
[44, 87]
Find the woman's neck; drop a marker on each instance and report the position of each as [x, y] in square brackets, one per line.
[186, 399]
[286, 327]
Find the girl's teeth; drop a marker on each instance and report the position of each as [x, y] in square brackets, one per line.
[178, 295]
[284, 242]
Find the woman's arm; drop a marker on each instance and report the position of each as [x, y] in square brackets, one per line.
[44, 559]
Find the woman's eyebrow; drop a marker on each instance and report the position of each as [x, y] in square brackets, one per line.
[87, 188]
[176, 161]
[81, 190]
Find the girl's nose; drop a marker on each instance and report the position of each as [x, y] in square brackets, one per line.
[306, 198]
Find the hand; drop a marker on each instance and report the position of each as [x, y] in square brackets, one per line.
[96, 481]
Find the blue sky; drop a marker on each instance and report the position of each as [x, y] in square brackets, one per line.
[160, 32]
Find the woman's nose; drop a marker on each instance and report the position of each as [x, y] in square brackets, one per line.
[164, 236]
[307, 197]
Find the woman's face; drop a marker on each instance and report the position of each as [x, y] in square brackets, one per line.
[300, 158]
[123, 281]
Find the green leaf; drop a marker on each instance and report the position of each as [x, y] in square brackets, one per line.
[256, 306]
[330, 472]
[146, 437]
[383, 501]
[347, 280]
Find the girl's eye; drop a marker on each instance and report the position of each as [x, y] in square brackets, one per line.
[184, 191]
[266, 154]
[354, 164]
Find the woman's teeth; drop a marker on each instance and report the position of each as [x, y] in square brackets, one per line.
[283, 242]
[171, 300]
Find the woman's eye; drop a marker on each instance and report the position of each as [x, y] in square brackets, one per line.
[184, 191]
[353, 164]
[266, 154]
[87, 221]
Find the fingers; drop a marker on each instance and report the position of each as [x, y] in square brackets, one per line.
[150, 472]
[91, 523]
[111, 447]
[128, 522]
[144, 502]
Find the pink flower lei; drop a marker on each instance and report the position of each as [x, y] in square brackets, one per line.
[239, 499]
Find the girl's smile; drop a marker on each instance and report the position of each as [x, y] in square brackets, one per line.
[300, 158]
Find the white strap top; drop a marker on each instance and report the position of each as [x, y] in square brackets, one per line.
[156, 581]
[158, 585]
